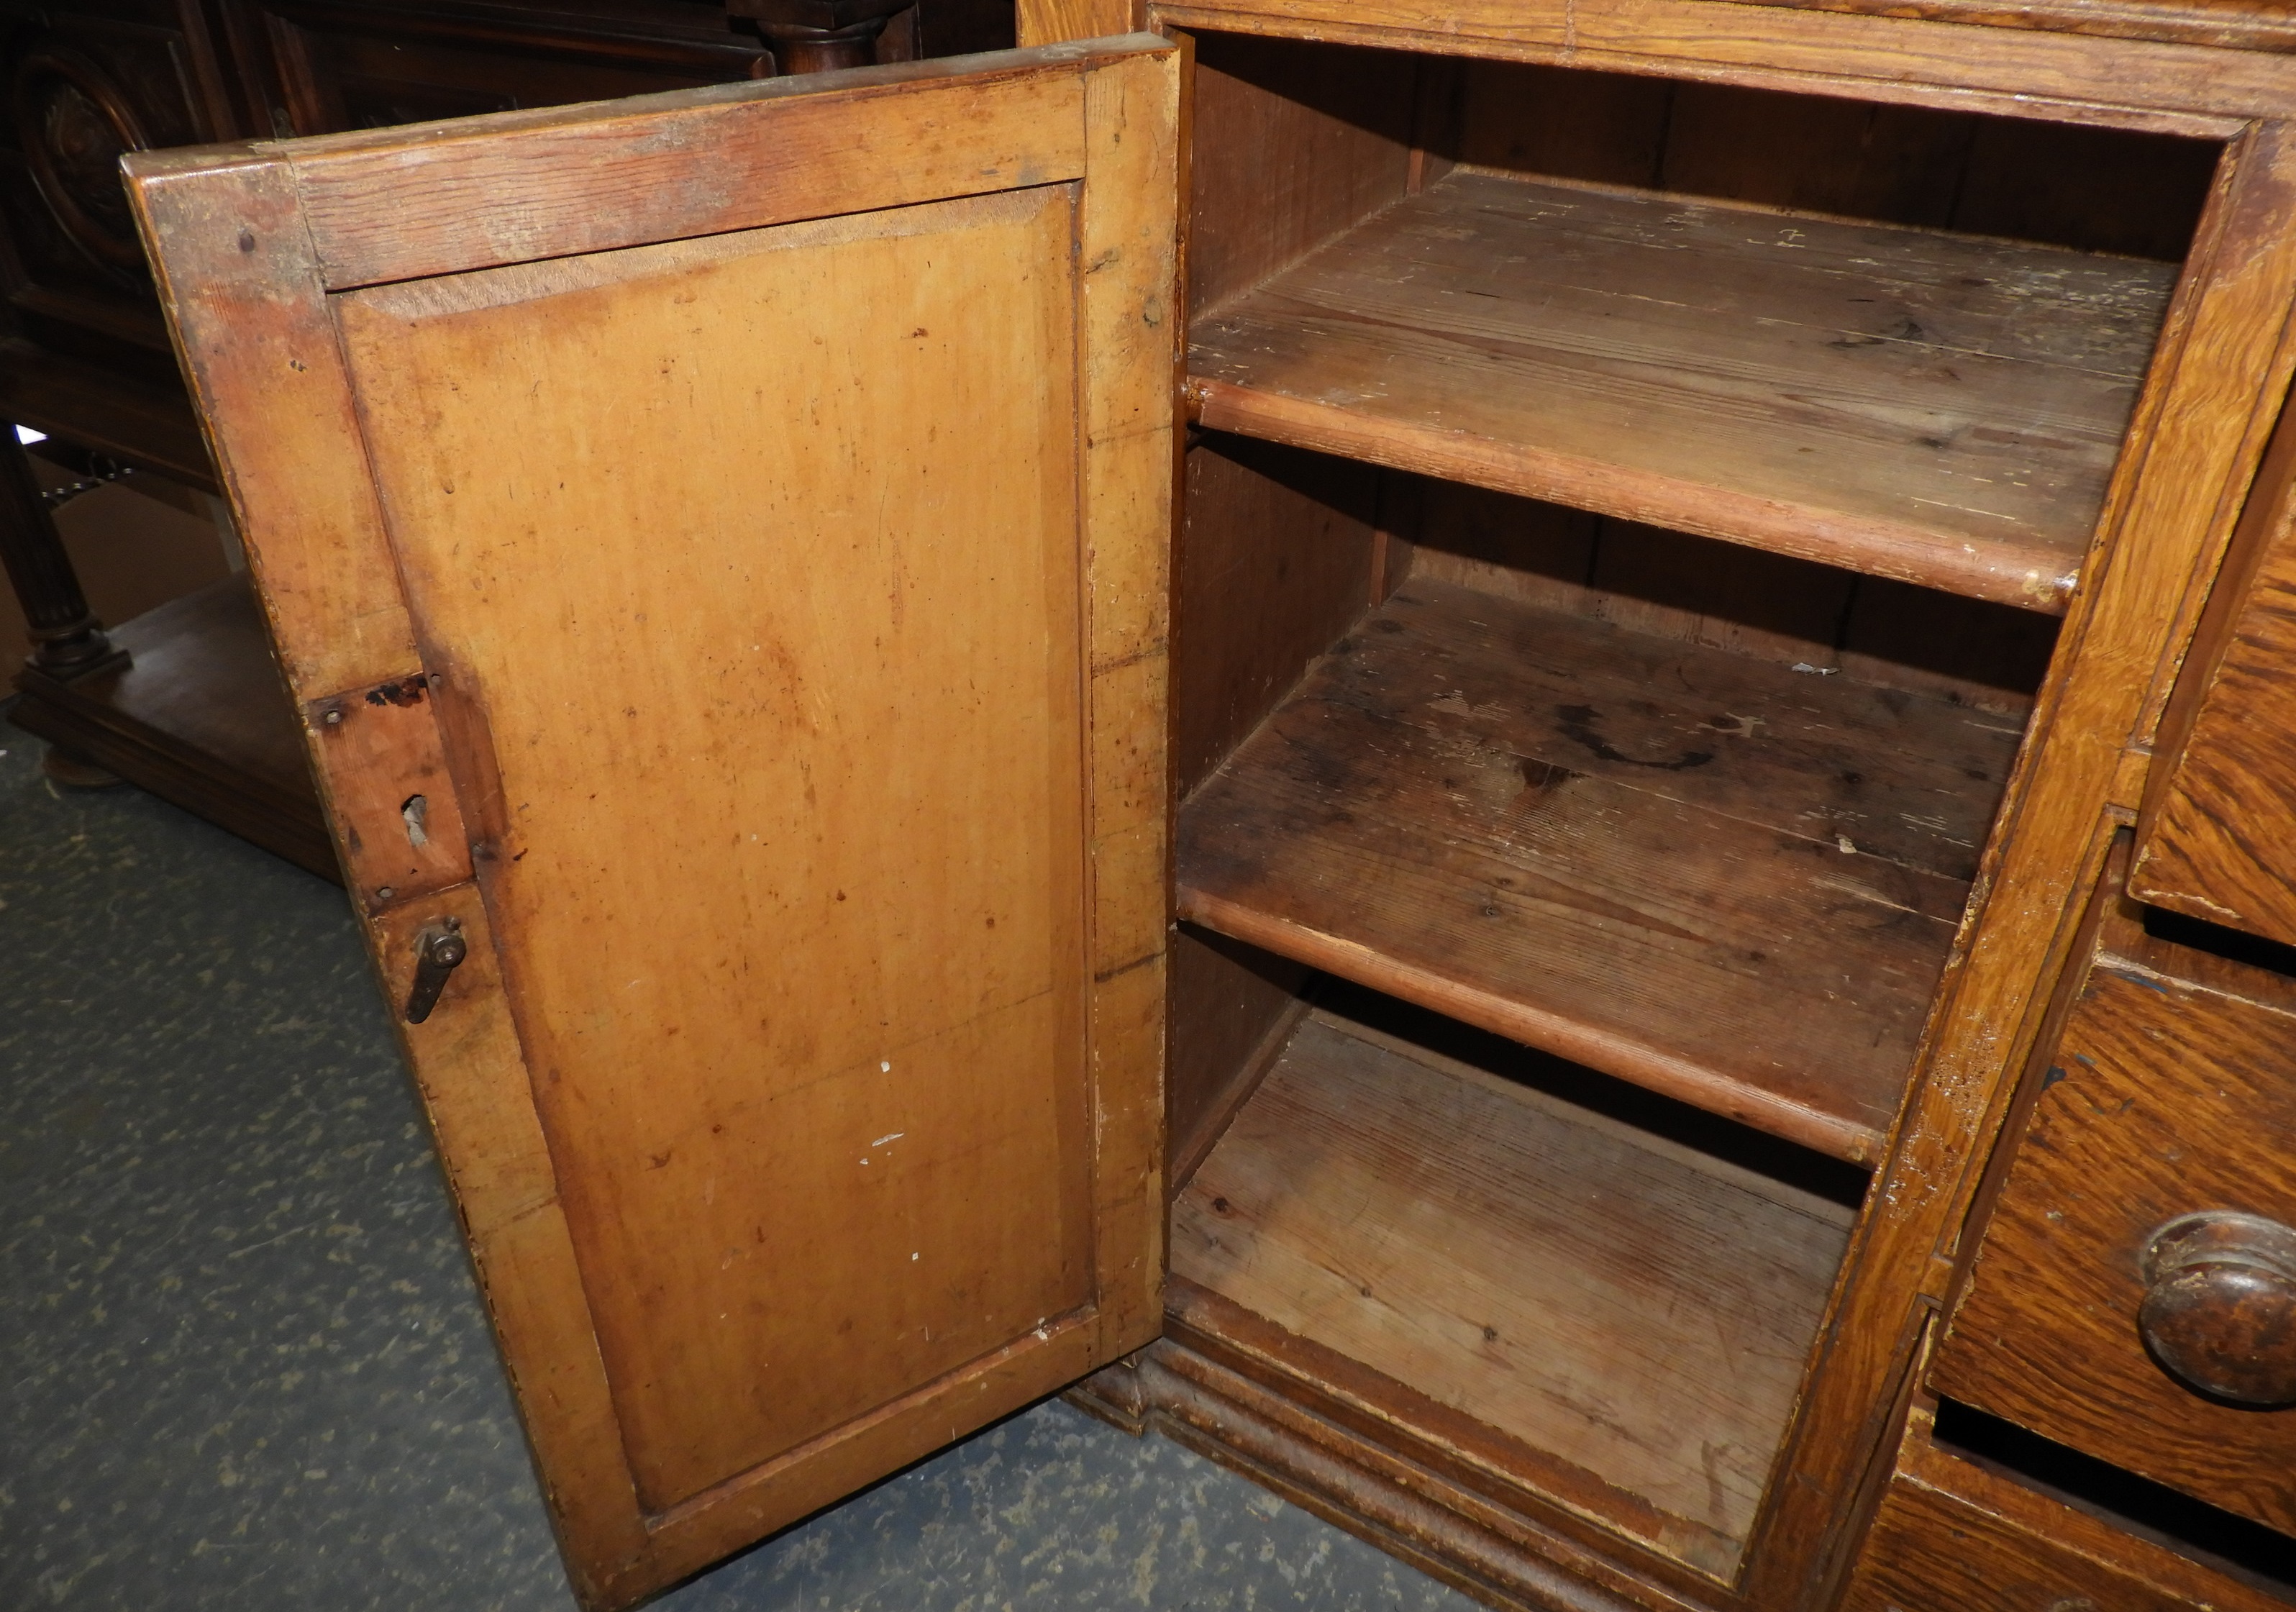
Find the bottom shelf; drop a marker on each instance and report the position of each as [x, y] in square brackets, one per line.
[1554, 1300]
[199, 717]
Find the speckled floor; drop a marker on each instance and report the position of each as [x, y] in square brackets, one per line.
[244, 1364]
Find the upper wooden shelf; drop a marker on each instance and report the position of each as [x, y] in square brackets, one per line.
[1942, 409]
[1716, 877]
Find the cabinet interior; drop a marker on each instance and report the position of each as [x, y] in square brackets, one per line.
[1623, 541]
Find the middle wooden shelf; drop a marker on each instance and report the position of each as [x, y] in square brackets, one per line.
[1724, 879]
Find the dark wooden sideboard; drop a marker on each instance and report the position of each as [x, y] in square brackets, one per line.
[185, 701]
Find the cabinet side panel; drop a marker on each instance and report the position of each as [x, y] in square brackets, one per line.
[1292, 144]
[1275, 564]
[780, 670]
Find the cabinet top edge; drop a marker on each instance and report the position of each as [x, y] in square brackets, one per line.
[414, 140]
[2245, 25]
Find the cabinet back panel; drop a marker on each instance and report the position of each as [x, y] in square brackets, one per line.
[1771, 607]
[789, 886]
[2063, 185]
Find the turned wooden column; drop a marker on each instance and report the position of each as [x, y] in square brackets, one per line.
[68, 641]
[816, 35]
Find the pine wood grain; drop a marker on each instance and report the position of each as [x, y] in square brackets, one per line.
[1988, 657]
[1935, 408]
[936, 931]
[1627, 850]
[595, 601]
[2164, 1097]
[1625, 1307]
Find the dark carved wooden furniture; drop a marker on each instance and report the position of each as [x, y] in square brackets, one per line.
[183, 702]
[1524, 761]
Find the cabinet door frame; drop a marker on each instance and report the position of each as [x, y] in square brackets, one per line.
[251, 242]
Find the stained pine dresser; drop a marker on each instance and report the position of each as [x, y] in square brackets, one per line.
[1528, 763]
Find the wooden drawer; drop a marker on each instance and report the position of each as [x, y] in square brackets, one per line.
[1953, 1535]
[2172, 1091]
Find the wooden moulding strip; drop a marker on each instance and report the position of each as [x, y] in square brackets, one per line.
[1454, 1443]
[2188, 89]
[2030, 575]
[1598, 1048]
[1402, 1507]
[512, 187]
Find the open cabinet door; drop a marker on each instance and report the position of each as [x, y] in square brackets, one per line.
[718, 542]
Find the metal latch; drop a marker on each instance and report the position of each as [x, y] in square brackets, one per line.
[437, 949]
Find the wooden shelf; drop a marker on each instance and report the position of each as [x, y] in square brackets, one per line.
[1942, 409]
[1715, 877]
[1512, 1287]
[199, 717]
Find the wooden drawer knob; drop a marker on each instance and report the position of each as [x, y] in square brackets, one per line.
[2219, 1312]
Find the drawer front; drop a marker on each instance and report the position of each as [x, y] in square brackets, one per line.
[1952, 1536]
[2219, 837]
[1936, 1552]
[2165, 1098]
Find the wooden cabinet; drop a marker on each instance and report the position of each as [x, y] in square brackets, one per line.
[1456, 809]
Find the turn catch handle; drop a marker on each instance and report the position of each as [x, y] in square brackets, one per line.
[2219, 1312]
[437, 949]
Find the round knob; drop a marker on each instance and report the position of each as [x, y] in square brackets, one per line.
[2219, 1312]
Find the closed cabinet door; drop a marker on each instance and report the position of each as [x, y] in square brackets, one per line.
[716, 544]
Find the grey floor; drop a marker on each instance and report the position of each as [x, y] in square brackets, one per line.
[244, 1362]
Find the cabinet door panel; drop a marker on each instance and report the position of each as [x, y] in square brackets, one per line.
[778, 597]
